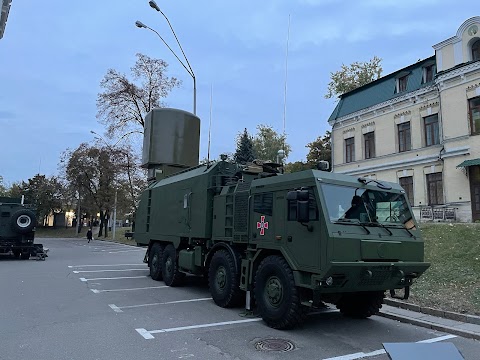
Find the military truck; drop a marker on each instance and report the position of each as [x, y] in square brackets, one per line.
[17, 228]
[283, 243]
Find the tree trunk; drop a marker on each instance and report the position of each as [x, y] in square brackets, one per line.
[100, 231]
[107, 216]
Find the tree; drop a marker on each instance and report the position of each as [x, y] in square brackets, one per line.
[3, 188]
[244, 152]
[267, 142]
[353, 76]
[123, 104]
[297, 166]
[320, 149]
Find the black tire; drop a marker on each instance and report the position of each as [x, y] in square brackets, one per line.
[361, 305]
[16, 254]
[277, 297]
[155, 256]
[25, 255]
[224, 280]
[23, 221]
[171, 275]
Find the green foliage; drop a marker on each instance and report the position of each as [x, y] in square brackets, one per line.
[353, 76]
[320, 149]
[244, 152]
[3, 188]
[267, 142]
[297, 166]
[123, 104]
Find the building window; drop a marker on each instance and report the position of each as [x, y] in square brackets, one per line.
[407, 184]
[350, 150]
[402, 83]
[428, 73]
[435, 189]
[474, 105]
[369, 139]
[431, 130]
[404, 139]
[476, 50]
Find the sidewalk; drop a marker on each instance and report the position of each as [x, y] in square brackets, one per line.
[453, 323]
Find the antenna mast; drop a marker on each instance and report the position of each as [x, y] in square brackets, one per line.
[286, 78]
[210, 125]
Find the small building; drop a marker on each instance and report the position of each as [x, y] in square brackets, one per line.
[420, 127]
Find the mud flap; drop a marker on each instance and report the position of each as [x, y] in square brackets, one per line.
[405, 295]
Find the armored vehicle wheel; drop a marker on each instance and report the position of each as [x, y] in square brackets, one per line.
[16, 254]
[224, 279]
[23, 221]
[155, 261]
[25, 255]
[361, 305]
[171, 275]
[276, 295]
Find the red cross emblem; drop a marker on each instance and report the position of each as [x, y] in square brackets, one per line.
[262, 225]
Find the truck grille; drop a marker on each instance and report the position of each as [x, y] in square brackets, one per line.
[380, 274]
[241, 211]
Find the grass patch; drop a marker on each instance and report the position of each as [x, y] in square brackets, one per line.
[453, 280]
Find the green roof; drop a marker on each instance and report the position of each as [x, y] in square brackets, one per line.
[381, 90]
[468, 163]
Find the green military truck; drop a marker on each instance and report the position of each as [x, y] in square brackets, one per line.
[17, 229]
[284, 243]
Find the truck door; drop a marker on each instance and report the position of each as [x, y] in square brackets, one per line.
[303, 239]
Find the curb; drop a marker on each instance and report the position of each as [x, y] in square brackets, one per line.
[429, 325]
[471, 319]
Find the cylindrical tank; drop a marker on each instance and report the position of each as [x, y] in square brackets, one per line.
[171, 137]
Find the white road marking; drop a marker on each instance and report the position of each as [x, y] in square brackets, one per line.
[121, 251]
[97, 271]
[148, 334]
[361, 355]
[115, 308]
[162, 303]
[95, 291]
[80, 266]
[115, 278]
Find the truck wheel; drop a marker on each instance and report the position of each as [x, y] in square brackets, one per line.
[361, 305]
[25, 255]
[23, 221]
[155, 261]
[276, 295]
[171, 275]
[224, 280]
[16, 254]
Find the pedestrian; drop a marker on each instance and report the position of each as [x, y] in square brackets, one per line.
[89, 234]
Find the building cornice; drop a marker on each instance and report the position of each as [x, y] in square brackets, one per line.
[4, 10]
[460, 31]
[386, 104]
[461, 70]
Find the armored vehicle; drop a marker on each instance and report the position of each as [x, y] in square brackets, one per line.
[283, 243]
[17, 228]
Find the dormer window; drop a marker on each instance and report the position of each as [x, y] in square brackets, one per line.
[476, 50]
[402, 83]
[428, 73]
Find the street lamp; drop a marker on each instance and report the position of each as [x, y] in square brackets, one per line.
[139, 24]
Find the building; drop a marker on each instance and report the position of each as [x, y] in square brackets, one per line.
[420, 126]
[5, 9]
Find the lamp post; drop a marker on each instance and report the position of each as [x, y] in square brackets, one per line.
[139, 24]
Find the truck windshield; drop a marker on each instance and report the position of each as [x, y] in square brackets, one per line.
[366, 205]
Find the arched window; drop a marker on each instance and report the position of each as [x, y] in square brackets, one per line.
[476, 50]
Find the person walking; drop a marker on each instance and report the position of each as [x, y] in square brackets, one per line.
[89, 234]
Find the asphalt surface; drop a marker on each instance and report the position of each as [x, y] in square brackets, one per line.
[96, 301]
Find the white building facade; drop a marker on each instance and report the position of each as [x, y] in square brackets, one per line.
[420, 127]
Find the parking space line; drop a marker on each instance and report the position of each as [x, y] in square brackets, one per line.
[361, 355]
[118, 308]
[147, 334]
[97, 271]
[121, 251]
[95, 291]
[114, 278]
[76, 266]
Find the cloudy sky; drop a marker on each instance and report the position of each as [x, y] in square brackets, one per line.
[55, 52]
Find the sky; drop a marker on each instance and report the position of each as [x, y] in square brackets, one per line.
[54, 54]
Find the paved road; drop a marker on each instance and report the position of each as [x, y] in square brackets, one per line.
[96, 301]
